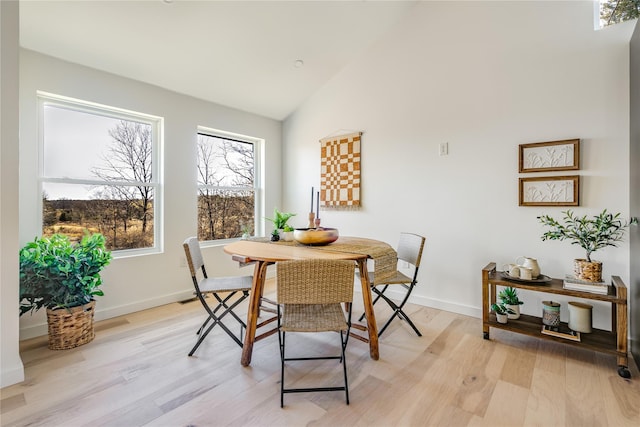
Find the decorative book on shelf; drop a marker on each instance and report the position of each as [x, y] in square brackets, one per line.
[570, 282]
[567, 335]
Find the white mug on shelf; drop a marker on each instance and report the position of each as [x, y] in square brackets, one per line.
[525, 273]
[531, 263]
[512, 270]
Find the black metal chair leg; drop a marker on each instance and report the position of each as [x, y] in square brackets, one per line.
[217, 320]
[375, 300]
[282, 353]
[343, 345]
[223, 303]
[398, 312]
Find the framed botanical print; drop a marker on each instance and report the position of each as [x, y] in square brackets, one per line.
[550, 191]
[549, 156]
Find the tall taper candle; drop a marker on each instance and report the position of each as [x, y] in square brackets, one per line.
[318, 205]
[311, 210]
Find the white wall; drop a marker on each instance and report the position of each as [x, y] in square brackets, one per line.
[484, 77]
[11, 369]
[140, 282]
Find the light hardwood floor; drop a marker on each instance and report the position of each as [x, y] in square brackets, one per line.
[137, 372]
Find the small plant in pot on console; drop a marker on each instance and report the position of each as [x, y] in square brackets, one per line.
[287, 233]
[502, 312]
[509, 298]
[591, 234]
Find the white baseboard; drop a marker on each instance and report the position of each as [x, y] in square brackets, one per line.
[41, 329]
[121, 310]
[12, 375]
[466, 310]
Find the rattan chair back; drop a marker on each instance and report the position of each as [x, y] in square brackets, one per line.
[315, 281]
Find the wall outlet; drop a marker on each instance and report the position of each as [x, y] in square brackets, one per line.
[444, 149]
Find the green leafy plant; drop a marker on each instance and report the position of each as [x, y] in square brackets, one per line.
[280, 218]
[590, 234]
[54, 273]
[287, 228]
[509, 296]
[501, 309]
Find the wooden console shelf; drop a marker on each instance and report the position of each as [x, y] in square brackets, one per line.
[611, 342]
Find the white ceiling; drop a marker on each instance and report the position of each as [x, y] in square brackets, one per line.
[236, 53]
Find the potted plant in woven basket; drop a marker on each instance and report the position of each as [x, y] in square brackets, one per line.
[591, 234]
[63, 278]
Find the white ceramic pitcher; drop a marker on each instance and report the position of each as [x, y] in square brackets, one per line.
[531, 263]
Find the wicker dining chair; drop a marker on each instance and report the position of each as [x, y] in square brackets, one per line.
[309, 294]
[228, 292]
[409, 250]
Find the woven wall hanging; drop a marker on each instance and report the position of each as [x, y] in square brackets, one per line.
[340, 171]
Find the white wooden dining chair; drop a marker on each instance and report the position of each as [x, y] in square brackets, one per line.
[409, 250]
[309, 294]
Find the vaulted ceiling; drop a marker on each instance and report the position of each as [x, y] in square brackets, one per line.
[241, 54]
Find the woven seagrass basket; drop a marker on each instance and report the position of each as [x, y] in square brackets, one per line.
[587, 270]
[69, 328]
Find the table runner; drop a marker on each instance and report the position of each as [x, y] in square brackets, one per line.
[385, 258]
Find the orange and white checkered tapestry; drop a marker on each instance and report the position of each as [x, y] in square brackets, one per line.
[340, 171]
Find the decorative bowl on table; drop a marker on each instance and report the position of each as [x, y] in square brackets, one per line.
[315, 236]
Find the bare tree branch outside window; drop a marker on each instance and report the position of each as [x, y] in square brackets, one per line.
[129, 160]
[616, 11]
[226, 197]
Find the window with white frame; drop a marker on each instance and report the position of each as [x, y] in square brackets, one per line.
[99, 172]
[227, 184]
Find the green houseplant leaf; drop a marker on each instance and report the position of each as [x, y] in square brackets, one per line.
[509, 296]
[54, 273]
[280, 219]
[501, 309]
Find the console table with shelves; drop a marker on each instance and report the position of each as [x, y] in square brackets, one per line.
[612, 342]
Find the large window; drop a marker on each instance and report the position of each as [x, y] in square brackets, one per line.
[227, 185]
[99, 172]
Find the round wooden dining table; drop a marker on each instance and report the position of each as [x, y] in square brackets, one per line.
[263, 253]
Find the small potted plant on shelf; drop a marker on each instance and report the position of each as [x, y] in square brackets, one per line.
[502, 312]
[590, 234]
[63, 278]
[279, 221]
[509, 298]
